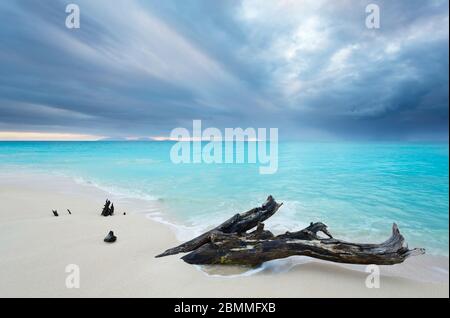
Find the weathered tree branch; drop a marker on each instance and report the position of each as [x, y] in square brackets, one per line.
[235, 250]
[239, 223]
[230, 244]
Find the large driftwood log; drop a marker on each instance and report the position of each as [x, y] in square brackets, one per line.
[230, 244]
[239, 223]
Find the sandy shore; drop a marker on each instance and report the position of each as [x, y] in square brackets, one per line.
[36, 247]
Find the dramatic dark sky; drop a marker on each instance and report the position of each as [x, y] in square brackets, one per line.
[310, 68]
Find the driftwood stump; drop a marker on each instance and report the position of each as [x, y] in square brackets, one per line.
[108, 209]
[231, 244]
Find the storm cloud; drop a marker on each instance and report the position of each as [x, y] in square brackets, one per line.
[311, 68]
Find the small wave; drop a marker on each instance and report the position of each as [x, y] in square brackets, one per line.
[182, 232]
[117, 191]
[417, 272]
[277, 266]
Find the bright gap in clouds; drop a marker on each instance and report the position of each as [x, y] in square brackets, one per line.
[41, 136]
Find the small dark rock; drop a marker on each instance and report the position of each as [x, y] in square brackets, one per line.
[69, 211]
[110, 238]
[55, 213]
[124, 213]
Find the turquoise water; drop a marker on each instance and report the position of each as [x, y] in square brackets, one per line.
[357, 189]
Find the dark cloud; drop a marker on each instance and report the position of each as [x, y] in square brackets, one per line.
[310, 68]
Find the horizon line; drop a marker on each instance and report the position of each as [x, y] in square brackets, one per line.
[11, 136]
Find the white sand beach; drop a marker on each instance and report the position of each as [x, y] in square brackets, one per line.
[36, 247]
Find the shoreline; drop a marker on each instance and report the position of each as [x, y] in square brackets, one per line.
[37, 247]
[156, 210]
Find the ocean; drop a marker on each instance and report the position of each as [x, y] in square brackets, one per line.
[357, 189]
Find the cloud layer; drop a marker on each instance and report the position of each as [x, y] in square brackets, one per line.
[310, 68]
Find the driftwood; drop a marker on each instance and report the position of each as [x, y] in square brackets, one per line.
[239, 223]
[231, 244]
[108, 209]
